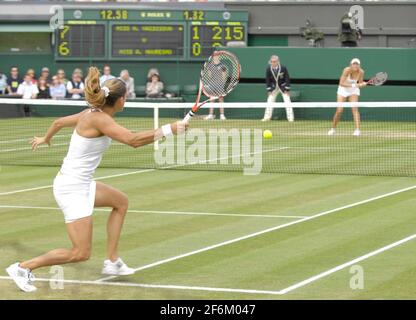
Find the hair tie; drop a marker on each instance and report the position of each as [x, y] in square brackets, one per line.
[106, 91]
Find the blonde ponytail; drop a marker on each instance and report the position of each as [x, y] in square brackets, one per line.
[95, 96]
[93, 93]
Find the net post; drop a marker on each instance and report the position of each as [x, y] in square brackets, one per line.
[156, 125]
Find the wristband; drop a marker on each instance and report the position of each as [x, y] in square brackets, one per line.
[167, 130]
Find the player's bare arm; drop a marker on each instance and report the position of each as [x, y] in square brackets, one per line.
[56, 126]
[107, 126]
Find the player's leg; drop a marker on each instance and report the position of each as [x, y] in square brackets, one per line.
[211, 115]
[337, 115]
[356, 116]
[289, 110]
[106, 196]
[222, 116]
[80, 234]
[271, 98]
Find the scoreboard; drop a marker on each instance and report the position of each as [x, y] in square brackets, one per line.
[123, 34]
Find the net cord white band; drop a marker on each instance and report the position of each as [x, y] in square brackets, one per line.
[235, 105]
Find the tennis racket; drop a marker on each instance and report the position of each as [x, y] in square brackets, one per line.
[379, 79]
[219, 76]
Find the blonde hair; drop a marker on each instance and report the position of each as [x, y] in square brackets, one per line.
[94, 94]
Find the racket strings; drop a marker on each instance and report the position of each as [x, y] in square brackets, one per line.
[220, 75]
[379, 78]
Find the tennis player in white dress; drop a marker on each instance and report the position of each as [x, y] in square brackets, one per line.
[75, 190]
[350, 82]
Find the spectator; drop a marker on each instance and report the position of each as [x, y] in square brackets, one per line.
[3, 83]
[43, 89]
[27, 89]
[79, 71]
[75, 87]
[61, 76]
[32, 74]
[129, 81]
[45, 75]
[13, 81]
[154, 87]
[57, 89]
[151, 72]
[106, 74]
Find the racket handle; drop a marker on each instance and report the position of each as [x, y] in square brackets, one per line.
[188, 116]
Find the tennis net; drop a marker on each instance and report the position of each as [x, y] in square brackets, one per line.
[385, 147]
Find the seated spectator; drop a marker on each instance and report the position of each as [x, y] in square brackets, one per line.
[154, 87]
[61, 76]
[106, 74]
[57, 89]
[27, 89]
[129, 81]
[79, 71]
[151, 72]
[75, 87]
[13, 81]
[3, 83]
[43, 89]
[45, 75]
[31, 72]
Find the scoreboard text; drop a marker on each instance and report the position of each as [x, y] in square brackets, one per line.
[123, 34]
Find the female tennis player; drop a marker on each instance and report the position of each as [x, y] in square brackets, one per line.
[352, 79]
[75, 190]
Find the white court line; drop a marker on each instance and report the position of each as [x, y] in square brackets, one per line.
[153, 286]
[144, 170]
[255, 234]
[30, 148]
[233, 290]
[345, 265]
[99, 178]
[31, 137]
[168, 212]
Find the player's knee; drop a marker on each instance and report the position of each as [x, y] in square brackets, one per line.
[123, 203]
[80, 254]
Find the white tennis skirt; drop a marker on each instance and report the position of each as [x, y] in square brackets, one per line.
[75, 198]
[347, 92]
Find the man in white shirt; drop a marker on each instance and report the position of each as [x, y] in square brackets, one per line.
[129, 81]
[106, 74]
[75, 87]
[27, 89]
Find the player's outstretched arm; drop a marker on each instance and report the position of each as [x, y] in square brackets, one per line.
[107, 126]
[58, 124]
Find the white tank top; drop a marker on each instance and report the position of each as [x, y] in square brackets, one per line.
[84, 155]
[350, 80]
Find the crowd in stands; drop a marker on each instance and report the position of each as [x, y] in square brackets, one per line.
[57, 86]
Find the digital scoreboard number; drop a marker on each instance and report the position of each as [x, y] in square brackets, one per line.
[136, 34]
[81, 41]
[148, 41]
[205, 37]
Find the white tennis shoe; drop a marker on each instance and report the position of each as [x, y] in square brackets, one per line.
[356, 133]
[331, 132]
[209, 117]
[116, 268]
[222, 117]
[22, 277]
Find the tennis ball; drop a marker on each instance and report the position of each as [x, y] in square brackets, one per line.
[267, 134]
